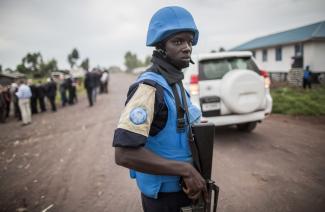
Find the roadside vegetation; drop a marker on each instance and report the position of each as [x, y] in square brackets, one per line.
[297, 101]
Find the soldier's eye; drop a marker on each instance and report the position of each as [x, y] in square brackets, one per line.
[177, 42]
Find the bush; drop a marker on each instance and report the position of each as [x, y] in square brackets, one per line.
[296, 101]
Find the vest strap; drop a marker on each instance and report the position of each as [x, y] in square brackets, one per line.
[194, 148]
[180, 110]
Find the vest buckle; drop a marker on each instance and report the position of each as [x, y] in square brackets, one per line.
[180, 125]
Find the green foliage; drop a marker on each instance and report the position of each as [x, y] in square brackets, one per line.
[0, 69]
[85, 64]
[33, 65]
[50, 66]
[131, 61]
[73, 57]
[32, 62]
[296, 101]
[22, 69]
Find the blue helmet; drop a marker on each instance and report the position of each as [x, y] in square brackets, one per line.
[168, 21]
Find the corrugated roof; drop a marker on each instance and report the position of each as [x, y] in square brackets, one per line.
[13, 75]
[309, 32]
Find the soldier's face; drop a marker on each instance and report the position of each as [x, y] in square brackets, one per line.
[179, 49]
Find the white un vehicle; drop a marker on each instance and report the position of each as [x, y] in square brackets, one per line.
[229, 88]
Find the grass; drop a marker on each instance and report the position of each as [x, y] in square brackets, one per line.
[297, 101]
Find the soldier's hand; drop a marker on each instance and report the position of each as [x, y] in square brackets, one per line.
[195, 184]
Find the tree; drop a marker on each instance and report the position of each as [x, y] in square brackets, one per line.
[0, 69]
[73, 57]
[34, 64]
[31, 64]
[48, 67]
[131, 61]
[85, 64]
[21, 68]
[33, 61]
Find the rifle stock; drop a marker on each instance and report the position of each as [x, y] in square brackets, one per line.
[203, 136]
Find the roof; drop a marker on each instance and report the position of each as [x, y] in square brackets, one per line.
[14, 75]
[216, 55]
[314, 31]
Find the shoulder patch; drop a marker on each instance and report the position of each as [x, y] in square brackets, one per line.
[138, 113]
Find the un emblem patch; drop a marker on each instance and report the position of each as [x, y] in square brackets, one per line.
[138, 116]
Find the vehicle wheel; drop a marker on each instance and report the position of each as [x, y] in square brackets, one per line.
[247, 127]
[242, 91]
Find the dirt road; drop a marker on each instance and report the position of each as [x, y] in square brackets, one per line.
[64, 162]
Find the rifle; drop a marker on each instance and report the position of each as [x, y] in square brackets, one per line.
[201, 138]
[202, 151]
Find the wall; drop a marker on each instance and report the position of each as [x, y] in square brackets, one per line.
[271, 65]
[314, 56]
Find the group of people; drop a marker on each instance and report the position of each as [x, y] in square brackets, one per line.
[96, 81]
[68, 90]
[26, 98]
[40, 91]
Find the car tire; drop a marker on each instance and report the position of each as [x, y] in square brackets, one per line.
[247, 127]
[242, 91]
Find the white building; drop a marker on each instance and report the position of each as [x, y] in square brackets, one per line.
[277, 52]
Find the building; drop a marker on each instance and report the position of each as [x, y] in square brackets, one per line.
[8, 78]
[295, 48]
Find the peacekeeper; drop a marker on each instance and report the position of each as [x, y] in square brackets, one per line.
[151, 138]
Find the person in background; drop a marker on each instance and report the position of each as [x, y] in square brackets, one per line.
[104, 82]
[41, 90]
[33, 99]
[51, 89]
[97, 75]
[71, 92]
[7, 98]
[74, 90]
[90, 85]
[24, 94]
[307, 78]
[63, 90]
[13, 90]
[2, 105]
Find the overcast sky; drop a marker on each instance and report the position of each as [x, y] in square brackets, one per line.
[104, 30]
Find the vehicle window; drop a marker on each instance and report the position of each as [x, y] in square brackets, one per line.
[217, 68]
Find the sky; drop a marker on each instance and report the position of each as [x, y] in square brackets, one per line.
[104, 30]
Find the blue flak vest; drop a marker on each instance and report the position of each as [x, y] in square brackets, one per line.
[168, 143]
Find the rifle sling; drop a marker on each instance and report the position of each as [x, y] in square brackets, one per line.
[180, 115]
